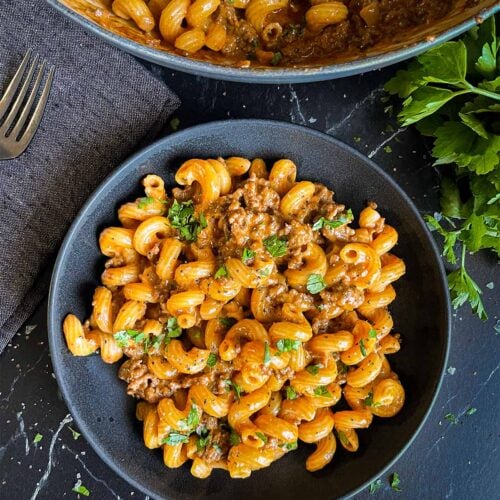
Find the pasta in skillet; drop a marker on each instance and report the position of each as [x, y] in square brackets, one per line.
[252, 316]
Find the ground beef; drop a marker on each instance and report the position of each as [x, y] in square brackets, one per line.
[143, 384]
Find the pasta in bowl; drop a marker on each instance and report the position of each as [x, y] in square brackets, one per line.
[248, 308]
[264, 331]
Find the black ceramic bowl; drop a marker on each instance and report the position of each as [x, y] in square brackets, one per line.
[97, 399]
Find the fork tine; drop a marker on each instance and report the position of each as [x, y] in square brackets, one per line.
[38, 113]
[20, 97]
[29, 103]
[14, 84]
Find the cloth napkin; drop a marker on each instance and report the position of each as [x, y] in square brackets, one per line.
[103, 106]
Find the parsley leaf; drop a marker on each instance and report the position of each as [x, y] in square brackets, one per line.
[261, 436]
[123, 337]
[193, 418]
[227, 322]
[234, 438]
[143, 202]
[322, 390]
[37, 438]
[277, 57]
[290, 393]
[174, 123]
[343, 439]
[395, 482]
[372, 333]
[368, 401]
[212, 360]
[267, 353]
[463, 288]
[375, 486]
[237, 389]
[362, 347]
[80, 489]
[221, 272]
[315, 283]
[344, 218]
[181, 216]
[247, 255]
[286, 345]
[202, 442]
[291, 446]
[175, 438]
[277, 247]
[76, 435]
[451, 418]
[172, 329]
[313, 369]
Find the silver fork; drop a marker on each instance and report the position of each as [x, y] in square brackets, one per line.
[16, 106]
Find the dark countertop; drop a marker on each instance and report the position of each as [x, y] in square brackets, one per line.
[447, 460]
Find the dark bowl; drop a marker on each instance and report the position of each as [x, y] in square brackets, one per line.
[409, 43]
[97, 399]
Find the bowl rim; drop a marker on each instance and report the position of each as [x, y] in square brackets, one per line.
[54, 328]
[274, 76]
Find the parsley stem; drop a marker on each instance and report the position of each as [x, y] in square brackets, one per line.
[485, 93]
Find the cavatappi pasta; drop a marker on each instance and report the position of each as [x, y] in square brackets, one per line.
[265, 33]
[253, 312]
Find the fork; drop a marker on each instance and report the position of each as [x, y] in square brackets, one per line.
[16, 131]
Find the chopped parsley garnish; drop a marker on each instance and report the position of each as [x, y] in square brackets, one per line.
[143, 202]
[362, 347]
[202, 442]
[123, 337]
[264, 272]
[451, 418]
[237, 389]
[286, 345]
[313, 369]
[261, 436]
[395, 482]
[276, 246]
[471, 411]
[344, 218]
[375, 486]
[174, 123]
[372, 333]
[221, 272]
[76, 435]
[172, 329]
[290, 393]
[234, 438]
[175, 438]
[267, 353]
[343, 439]
[227, 322]
[193, 418]
[342, 367]
[181, 216]
[80, 489]
[212, 360]
[247, 255]
[315, 283]
[291, 446]
[37, 438]
[277, 57]
[322, 390]
[368, 401]
[451, 370]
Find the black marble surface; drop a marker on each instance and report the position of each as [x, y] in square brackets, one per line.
[447, 460]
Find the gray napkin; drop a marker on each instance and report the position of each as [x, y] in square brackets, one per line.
[103, 105]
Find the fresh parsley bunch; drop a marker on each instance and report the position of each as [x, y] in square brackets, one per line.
[452, 93]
